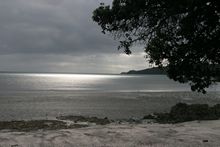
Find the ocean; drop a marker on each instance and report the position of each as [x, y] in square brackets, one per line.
[30, 96]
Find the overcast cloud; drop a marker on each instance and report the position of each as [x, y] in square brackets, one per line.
[58, 36]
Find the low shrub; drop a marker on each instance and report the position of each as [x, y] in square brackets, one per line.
[182, 112]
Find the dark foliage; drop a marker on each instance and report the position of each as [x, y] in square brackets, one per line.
[182, 112]
[184, 34]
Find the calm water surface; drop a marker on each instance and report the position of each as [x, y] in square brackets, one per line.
[40, 96]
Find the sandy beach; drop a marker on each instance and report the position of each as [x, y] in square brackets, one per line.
[190, 134]
[109, 73]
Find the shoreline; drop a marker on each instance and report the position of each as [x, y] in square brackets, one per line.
[179, 113]
[158, 130]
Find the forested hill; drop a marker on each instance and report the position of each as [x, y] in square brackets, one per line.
[156, 71]
[150, 71]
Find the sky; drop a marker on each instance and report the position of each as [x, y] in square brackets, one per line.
[59, 36]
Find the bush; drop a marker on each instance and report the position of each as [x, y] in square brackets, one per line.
[216, 110]
[200, 112]
[182, 112]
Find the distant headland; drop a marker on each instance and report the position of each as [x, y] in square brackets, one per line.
[155, 71]
[148, 71]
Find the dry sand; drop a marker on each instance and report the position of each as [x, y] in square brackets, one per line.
[192, 134]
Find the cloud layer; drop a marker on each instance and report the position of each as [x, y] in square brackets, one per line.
[55, 35]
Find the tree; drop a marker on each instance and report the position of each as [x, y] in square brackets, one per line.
[184, 34]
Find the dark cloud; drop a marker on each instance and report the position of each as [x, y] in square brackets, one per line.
[56, 33]
[50, 26]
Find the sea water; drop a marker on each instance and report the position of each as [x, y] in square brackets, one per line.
[42, 96]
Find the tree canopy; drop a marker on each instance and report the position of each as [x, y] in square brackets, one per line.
[184, 34]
